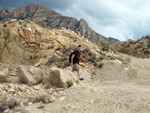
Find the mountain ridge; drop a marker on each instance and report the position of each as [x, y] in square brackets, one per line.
[50, 18]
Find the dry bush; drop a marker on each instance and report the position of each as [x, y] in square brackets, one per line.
[123, 50]
[3, 79]
[88, 55]
[43, 98]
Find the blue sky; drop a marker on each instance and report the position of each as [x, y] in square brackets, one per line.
[121, 19]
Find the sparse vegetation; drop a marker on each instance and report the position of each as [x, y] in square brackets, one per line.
[123, 50]
[4, 79]
[88, 55]
[69, 83]
[148, 45]
[41, 107]
[61, 60]
[58, 28]
[106, 47]
[9, 103]
[53, 59]
[41, 98]
[146, 51]
[31, 19]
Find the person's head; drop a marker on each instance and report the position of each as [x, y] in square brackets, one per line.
[79, 48]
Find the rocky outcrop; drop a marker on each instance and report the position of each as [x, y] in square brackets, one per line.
[30, 75]
[139, 48]
[26, 43]
[47, 17]
[59, 77]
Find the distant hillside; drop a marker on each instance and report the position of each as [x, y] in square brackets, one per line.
[112, 40]
[49, 18]
[139, 48]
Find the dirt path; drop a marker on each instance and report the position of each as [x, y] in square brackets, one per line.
[116, 88]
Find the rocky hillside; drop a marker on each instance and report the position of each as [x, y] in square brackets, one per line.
[35, 76]
[26, 43]
[139, 48]
[48, 18]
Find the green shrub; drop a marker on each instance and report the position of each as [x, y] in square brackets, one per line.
[148, 45]
[106, 47]
[112, 49]
[69, 83]
[30, 57]
[31, 19]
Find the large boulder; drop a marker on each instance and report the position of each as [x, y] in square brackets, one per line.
[29, 74]
[58, 77]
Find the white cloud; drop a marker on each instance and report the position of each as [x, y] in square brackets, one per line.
[122, 19]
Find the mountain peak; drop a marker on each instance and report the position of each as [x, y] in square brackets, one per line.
[48, 17]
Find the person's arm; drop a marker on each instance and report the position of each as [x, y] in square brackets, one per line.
[82, 59]
[72, 59]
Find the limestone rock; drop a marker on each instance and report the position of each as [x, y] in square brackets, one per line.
[58, 77]
[2, 73]
[30, 75]
[5, 70]
[13, 20]
[117, 62]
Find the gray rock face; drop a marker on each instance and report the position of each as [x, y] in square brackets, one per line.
[5, 12]
[30, 75]
[48, 17]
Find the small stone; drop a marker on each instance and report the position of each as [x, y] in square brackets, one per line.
[5, 70]
[22, 88]
[1, 73]
[13, 20]
[126, 69]
[117, 62]
[55, 94]
[32, 70]
[36, 87]
[11, 90]
[30, 103]
[52, 99]
[62, 98]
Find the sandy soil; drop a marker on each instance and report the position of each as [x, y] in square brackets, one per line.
[116, 88]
